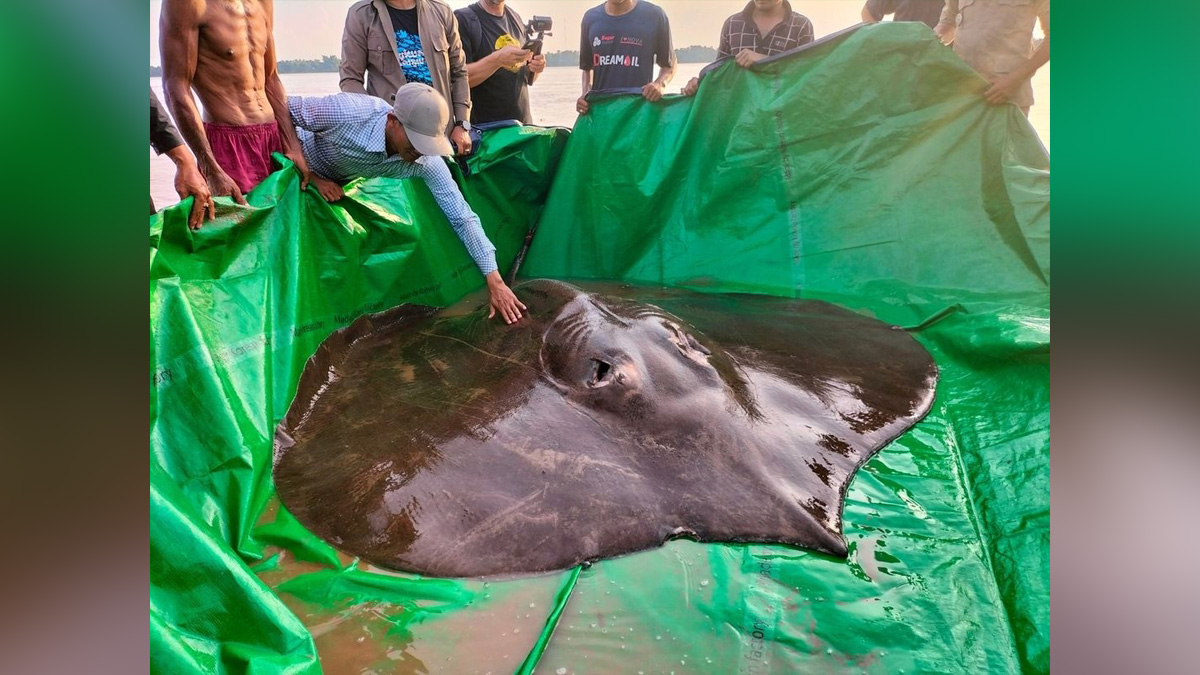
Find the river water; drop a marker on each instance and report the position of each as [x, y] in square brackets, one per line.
[552, 101]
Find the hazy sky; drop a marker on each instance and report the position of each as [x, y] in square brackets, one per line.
[309, 29]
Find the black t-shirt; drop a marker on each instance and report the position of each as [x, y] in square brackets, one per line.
[925, 11]
[408, 45]
[621, 50]
[504, 95]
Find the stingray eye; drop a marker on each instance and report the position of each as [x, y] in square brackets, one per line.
[698, 347]
[602, 373]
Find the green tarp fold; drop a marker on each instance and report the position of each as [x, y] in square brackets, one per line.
[865, 170]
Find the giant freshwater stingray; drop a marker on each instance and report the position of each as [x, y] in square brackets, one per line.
[445, 444]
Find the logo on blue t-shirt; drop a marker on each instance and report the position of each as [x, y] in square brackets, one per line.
[412, 59]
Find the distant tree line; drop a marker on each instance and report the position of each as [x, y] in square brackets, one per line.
[330, 63]
[325, 64]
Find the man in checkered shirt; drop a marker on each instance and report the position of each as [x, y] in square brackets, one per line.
[347, 136]
[764, 28]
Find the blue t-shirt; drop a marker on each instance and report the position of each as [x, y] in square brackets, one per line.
[621, 50]
[408, 45]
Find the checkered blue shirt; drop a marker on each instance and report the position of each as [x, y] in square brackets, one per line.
[342, 137]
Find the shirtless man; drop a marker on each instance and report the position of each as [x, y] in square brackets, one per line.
[224, 50]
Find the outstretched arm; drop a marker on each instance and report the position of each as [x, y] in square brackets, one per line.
[179, 28]
[468, 228]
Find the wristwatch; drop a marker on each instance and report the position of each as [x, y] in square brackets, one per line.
[466, 126]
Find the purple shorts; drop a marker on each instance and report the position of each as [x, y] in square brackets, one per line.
[244, 152]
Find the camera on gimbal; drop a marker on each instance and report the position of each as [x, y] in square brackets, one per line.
[540, 25]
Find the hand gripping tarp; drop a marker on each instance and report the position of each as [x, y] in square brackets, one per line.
[864, 169]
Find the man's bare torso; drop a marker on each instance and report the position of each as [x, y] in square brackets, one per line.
[231, 55]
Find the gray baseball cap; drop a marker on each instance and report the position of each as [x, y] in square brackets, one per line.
[424, 114]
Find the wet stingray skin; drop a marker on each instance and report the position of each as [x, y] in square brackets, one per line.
[445, 444]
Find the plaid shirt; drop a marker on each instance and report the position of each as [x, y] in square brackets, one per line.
[342, 137]
[739, 32]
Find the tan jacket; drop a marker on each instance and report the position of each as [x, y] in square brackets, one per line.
[369, 51]
[995, 37]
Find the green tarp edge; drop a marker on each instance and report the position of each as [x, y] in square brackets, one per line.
[948, 526]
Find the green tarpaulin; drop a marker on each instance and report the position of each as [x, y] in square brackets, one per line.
[864, 170]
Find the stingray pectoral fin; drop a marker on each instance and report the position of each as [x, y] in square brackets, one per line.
[755, 514]
[815, 528]
[830, 542]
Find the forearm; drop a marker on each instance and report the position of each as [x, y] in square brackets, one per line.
[665, 75]
[180, 156]
[460, 83]
[352, 86]
[465, 224]
[1040, 57]
[464, 221]
[283, 117]
[949, 13]
[494, 280]
[479, 71]
[187, 120]
[479, 247]
[459, 214]
[587, 82]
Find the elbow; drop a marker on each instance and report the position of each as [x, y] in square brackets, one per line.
[351, 76]
[175, 89]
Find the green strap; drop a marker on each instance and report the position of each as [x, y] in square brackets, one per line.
[560, 603]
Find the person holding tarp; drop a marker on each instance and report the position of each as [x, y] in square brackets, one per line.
[227, 56]
[347, 136]
[165, 140]
[619, 42]
[764, 28]
[995, 37]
